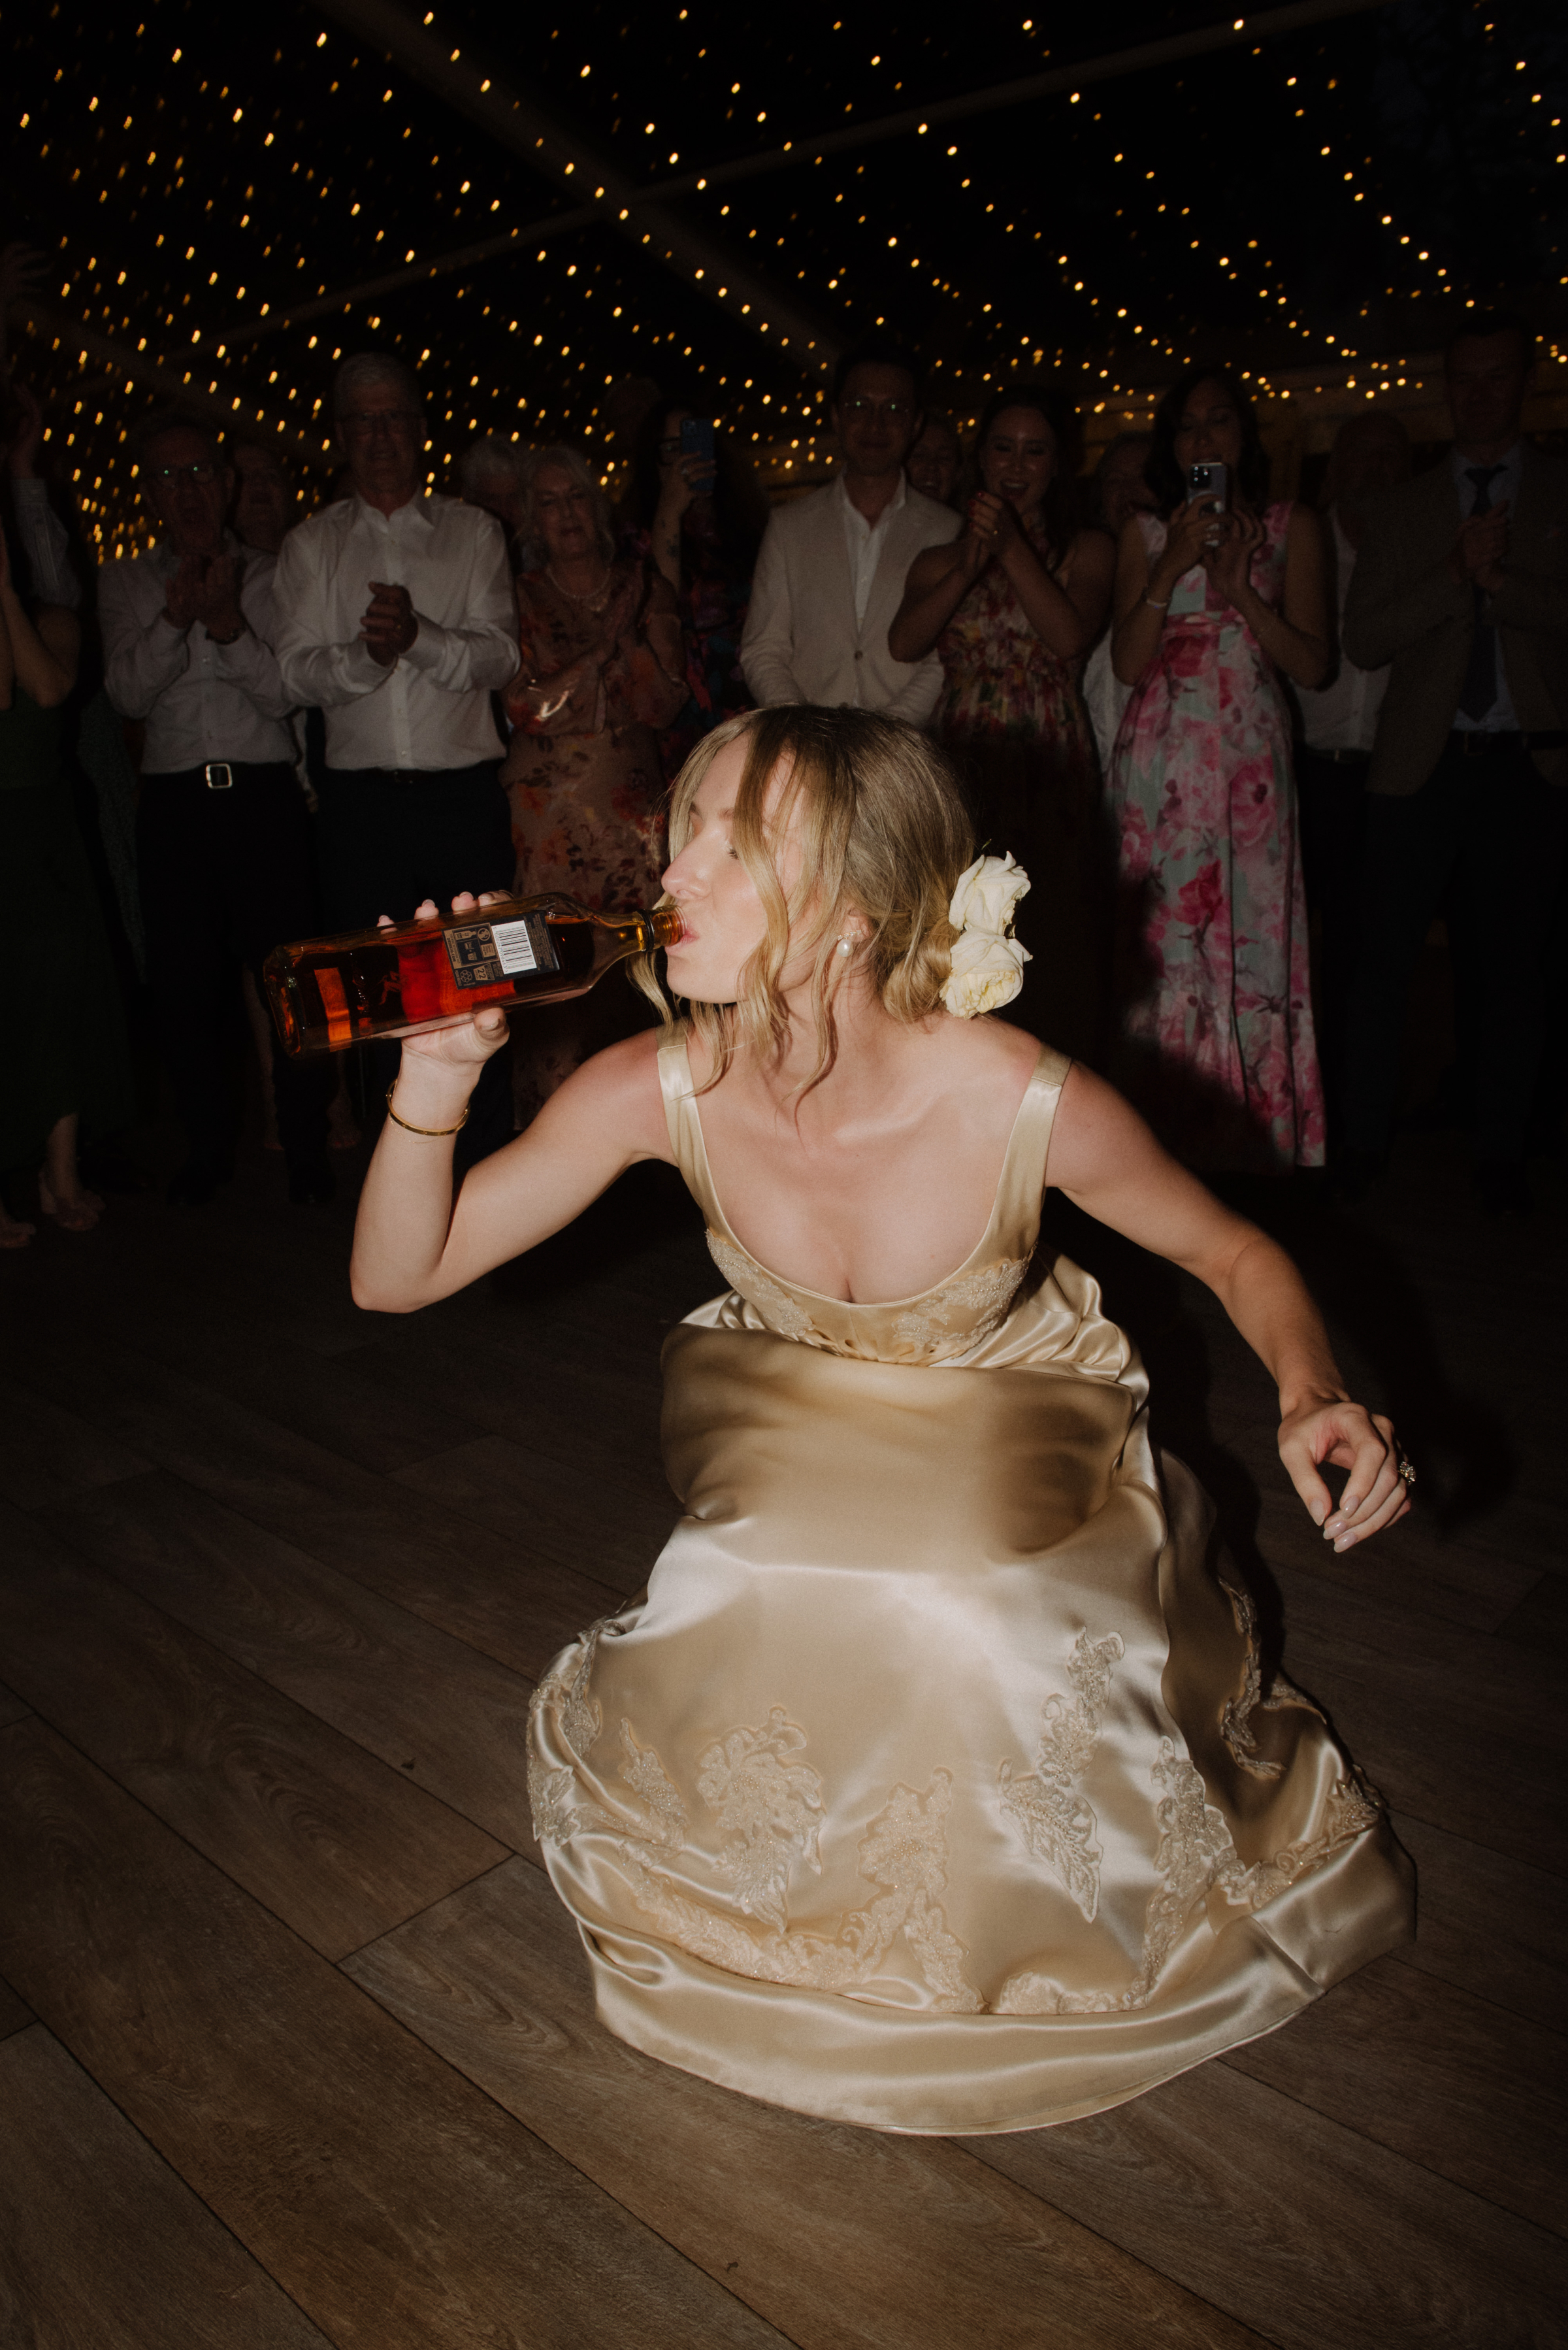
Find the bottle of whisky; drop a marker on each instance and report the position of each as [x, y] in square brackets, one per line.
[327, 993]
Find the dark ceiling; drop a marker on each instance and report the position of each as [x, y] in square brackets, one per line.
[1289, 203]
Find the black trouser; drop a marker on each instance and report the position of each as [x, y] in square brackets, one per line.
[1331, 798]
[225, 875]
[387, 840]
[1485, 834]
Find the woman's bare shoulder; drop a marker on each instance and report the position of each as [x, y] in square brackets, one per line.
[620, 1087]
[986, 1052]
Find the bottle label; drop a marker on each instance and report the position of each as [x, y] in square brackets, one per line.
[484, 954]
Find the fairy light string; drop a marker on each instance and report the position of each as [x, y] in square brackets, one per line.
[234, 204]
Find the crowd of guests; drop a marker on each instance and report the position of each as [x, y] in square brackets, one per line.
[1247, 749]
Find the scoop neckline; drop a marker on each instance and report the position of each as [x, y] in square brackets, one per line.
[821, 1296]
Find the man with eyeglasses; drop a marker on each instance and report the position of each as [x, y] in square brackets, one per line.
[830, 575]
[397, 618]
[224, 861]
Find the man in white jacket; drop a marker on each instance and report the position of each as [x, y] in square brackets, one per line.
[830, 575]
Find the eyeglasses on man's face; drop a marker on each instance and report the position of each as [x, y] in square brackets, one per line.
[202, 472]
[863, 411]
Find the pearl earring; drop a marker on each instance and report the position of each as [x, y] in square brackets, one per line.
[845, 947]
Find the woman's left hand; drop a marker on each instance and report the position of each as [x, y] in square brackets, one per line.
[687, 478]
[1364, 1443]
[1230, 563]
[992, 519]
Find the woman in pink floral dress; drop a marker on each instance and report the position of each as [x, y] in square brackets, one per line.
[1214, 601]
[1012, 607]
[603, 669]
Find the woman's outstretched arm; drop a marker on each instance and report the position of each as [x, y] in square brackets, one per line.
[412, 1244]
[1105, 1159]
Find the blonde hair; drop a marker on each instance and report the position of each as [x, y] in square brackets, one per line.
[883, 832]
[533, 553]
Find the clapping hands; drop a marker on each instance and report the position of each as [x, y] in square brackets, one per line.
[205, 588]
[992, 528]
[391, 623]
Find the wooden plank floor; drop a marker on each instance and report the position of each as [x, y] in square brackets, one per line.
[296, 2044]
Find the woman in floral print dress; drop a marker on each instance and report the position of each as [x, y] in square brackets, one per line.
[1217, 1045]
[1012, 607]
[603, 669]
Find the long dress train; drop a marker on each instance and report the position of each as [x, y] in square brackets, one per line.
[931, 1784]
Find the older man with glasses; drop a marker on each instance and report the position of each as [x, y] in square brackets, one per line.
[396, 617]
[223, 850]
[830, 575]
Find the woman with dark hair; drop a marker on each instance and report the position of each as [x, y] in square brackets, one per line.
[1217, 594]
[602, 671]
[699, 522]
[1012, 607]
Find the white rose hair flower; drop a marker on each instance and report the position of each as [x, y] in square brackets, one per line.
[987, 960]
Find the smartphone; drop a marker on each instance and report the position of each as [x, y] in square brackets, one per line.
[1208, 481]
[697, 439]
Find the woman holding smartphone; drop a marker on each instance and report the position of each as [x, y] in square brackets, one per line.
[1217, 594]
[696, 513]
[1012, 607]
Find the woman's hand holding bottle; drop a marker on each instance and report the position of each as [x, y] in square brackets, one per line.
[446, 1062]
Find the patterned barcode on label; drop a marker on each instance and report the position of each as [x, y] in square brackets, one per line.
[514, 947]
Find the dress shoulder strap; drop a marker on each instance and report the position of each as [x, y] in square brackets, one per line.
[680, 1116]
[1016, 1216]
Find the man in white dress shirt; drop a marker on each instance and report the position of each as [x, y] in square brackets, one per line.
[397, 618]
[830, 575]
[224, 850]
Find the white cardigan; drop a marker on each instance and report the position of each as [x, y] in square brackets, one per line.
[801, 640]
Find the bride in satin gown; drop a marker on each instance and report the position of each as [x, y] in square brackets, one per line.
[932, 1783]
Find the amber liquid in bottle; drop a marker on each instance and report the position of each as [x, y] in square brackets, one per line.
[329, 993]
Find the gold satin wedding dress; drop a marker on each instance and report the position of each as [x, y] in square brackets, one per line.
[931, 1784]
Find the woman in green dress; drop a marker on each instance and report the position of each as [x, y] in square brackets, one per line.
[65, 1070]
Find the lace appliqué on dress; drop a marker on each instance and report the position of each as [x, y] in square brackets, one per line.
[1196, 1855]
[776, 1305]
[768, 1809]
[1048, 1807]
[564, 1691]
[768, 1804]
[1235, 1723]
[904, 1852]
[989, 1294]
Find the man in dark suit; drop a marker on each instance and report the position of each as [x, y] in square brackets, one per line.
[1461, 586]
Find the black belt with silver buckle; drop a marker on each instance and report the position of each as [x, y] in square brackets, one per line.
[218, 775]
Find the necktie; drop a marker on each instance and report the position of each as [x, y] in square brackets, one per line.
[1479, 690]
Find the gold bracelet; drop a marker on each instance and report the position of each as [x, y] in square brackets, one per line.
[433, 1131]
